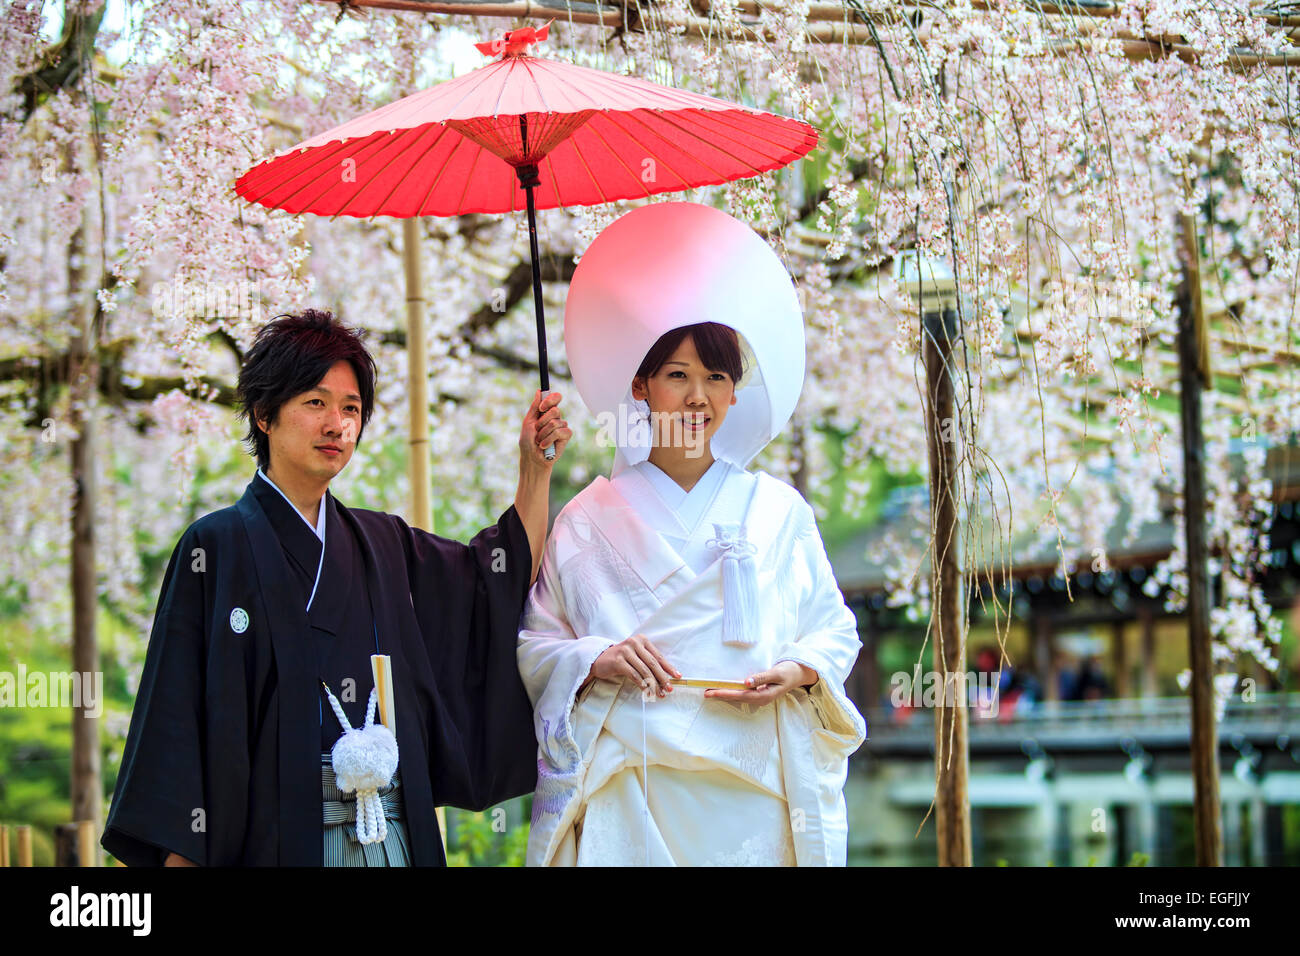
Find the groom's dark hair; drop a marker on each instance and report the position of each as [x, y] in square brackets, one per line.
[290, 355]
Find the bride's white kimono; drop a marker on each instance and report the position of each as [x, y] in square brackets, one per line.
[681, 779]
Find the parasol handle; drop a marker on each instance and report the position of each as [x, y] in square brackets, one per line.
[528, 178]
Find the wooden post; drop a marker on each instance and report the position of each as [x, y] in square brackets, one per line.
[948, 631]
[1149, 824]
[65, 845]
[1149, 687]
[23, 834]
[870, 693]
[1119, 657]
[1192, 376]
[1258, 833]
[1045, 661]
[4, 844]
[1232, 833]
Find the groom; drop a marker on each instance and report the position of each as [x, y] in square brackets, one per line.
[269, 601]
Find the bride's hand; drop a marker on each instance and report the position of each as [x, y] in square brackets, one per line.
[637, 660]
[766, 686]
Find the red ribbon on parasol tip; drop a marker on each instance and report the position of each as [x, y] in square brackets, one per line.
[515, 42]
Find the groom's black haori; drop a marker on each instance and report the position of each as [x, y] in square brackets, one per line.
[222, 763]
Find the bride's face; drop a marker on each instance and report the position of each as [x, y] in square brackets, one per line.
[687, 400]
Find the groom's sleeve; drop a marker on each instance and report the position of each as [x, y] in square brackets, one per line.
[468, 600]
[161, 782]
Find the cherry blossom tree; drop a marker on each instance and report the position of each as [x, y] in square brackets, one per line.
[1050, 154]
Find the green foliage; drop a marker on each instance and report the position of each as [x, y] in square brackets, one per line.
[1290, 834]
[36, 742]
[496, 837]
[35, 746]
[842, 524]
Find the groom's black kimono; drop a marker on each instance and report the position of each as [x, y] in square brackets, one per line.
[222, 761]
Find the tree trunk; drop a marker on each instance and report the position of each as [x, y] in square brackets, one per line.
[1192, 362]
[86, 788]
[952, 807]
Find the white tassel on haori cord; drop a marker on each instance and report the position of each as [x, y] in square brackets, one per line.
[739, 585]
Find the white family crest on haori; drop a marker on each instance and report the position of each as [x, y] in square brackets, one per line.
[364, 761]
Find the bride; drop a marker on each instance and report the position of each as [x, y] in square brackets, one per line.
[685, 646]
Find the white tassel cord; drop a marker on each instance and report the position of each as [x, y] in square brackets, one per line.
[364, 761]
[739, 586]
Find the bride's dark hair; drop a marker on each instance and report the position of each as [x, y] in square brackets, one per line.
[717, 345]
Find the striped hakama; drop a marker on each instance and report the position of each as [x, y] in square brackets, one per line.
[341, 846]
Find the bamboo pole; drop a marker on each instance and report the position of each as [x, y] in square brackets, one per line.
[417, 364]
[952, 809]
[87, 848]
[1192, 373]
[583, 11]
[827, 23]
[23, 835]
[577, 12]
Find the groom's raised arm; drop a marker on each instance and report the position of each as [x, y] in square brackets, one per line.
[467, 600]
[542, 427]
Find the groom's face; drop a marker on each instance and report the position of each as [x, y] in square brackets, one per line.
[315, 433]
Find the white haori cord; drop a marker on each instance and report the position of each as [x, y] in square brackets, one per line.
[645, 776]
[739, 584]
[364, 760]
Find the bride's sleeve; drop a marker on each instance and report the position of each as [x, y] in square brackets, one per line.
[554, 658]
[826, 636]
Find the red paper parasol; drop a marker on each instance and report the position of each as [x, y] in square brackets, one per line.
[568, 135]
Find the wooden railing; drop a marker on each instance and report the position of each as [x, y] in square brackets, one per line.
[1163, 722]
[74, 844]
